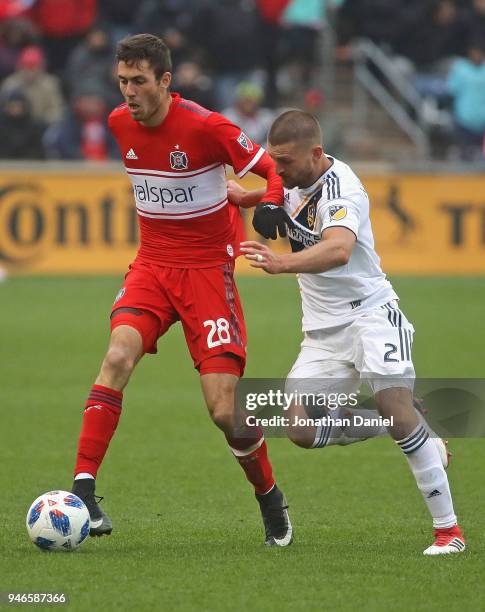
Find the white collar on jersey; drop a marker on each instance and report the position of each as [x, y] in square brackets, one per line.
[319, 182]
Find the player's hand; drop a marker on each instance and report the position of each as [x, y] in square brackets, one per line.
[235, 193]
[262, 257]
[269, 220]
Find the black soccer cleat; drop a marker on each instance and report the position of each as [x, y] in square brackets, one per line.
[100, 523]
[277, 524]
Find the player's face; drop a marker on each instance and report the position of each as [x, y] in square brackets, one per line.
[145, 95]
[296, 163]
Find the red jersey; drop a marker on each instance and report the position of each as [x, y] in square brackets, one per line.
[177, 170]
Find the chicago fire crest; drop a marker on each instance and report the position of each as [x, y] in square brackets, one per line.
[179, 160]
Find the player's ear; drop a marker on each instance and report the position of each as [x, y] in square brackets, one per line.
[317, 152]
[166, 80]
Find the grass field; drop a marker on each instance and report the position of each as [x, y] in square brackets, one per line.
[187, 528]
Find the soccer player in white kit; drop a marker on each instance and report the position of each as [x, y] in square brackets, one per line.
[353, 327]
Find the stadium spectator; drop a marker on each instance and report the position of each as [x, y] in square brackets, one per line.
[377, 20]
[475, 22]
[21, 134]
[118, 16]
[193, 84]
[466, 83]
[430, 36]
[15, 35]
[63, 24]
[270, 16]
[89, 68]
[43, 90]
[224, 29]
[83, 132]
[14, 8]
[248, 114]
[303, 22]
[173, 20]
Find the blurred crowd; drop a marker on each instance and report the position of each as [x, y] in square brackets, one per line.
[439, 47]
[245, 58]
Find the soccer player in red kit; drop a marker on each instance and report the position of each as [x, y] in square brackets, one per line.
[175, 153]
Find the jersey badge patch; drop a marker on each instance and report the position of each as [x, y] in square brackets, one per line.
[311, 215]
[245, 143]
[179, 160]
[337, 213]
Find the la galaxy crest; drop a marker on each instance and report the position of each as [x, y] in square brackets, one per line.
[179, 160]
[311, 215]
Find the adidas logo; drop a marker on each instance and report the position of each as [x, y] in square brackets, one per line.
[131, 155]
[434, 493]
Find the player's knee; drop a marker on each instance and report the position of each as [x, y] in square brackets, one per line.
[219, 393]
[304, 437]
[223, 418]
[119, 360]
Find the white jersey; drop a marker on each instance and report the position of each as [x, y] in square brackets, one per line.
[340, 295]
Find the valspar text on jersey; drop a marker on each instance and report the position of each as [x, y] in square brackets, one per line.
[154, 194]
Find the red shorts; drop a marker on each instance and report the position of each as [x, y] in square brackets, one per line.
[205, 300]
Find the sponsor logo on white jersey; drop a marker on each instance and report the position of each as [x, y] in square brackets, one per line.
[131, 155]
[179, 195]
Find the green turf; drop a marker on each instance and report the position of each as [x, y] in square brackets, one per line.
[187, 531]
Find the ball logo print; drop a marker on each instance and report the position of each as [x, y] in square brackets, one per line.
[58, 520]
[179, 160]
[34, 513]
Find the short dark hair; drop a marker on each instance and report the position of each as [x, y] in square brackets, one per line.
[295, 126]
[135, 49]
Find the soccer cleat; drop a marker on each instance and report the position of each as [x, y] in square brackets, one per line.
[441, 445]
[447, 541]
[277, 524]
[100, 523]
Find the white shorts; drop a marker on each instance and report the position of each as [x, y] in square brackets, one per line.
[376, 347]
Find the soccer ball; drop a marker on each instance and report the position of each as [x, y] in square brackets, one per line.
[58, 520]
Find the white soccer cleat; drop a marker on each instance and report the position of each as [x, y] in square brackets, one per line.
[447, 541]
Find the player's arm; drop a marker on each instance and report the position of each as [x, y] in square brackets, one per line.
[332, 251]
[269, 218]
[236, 149]
[242, 197]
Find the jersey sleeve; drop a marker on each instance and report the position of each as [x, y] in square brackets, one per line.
[341, 212]
[231, 145]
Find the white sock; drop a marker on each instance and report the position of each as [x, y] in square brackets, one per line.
[425, 463]
[82, 475]
[330, 435]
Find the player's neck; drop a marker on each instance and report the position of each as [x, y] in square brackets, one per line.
[322, 167]
[159, 115]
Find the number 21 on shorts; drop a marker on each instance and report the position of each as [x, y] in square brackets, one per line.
[218, 332]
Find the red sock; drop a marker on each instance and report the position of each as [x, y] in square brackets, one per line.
[255, 463]
[101, 416]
